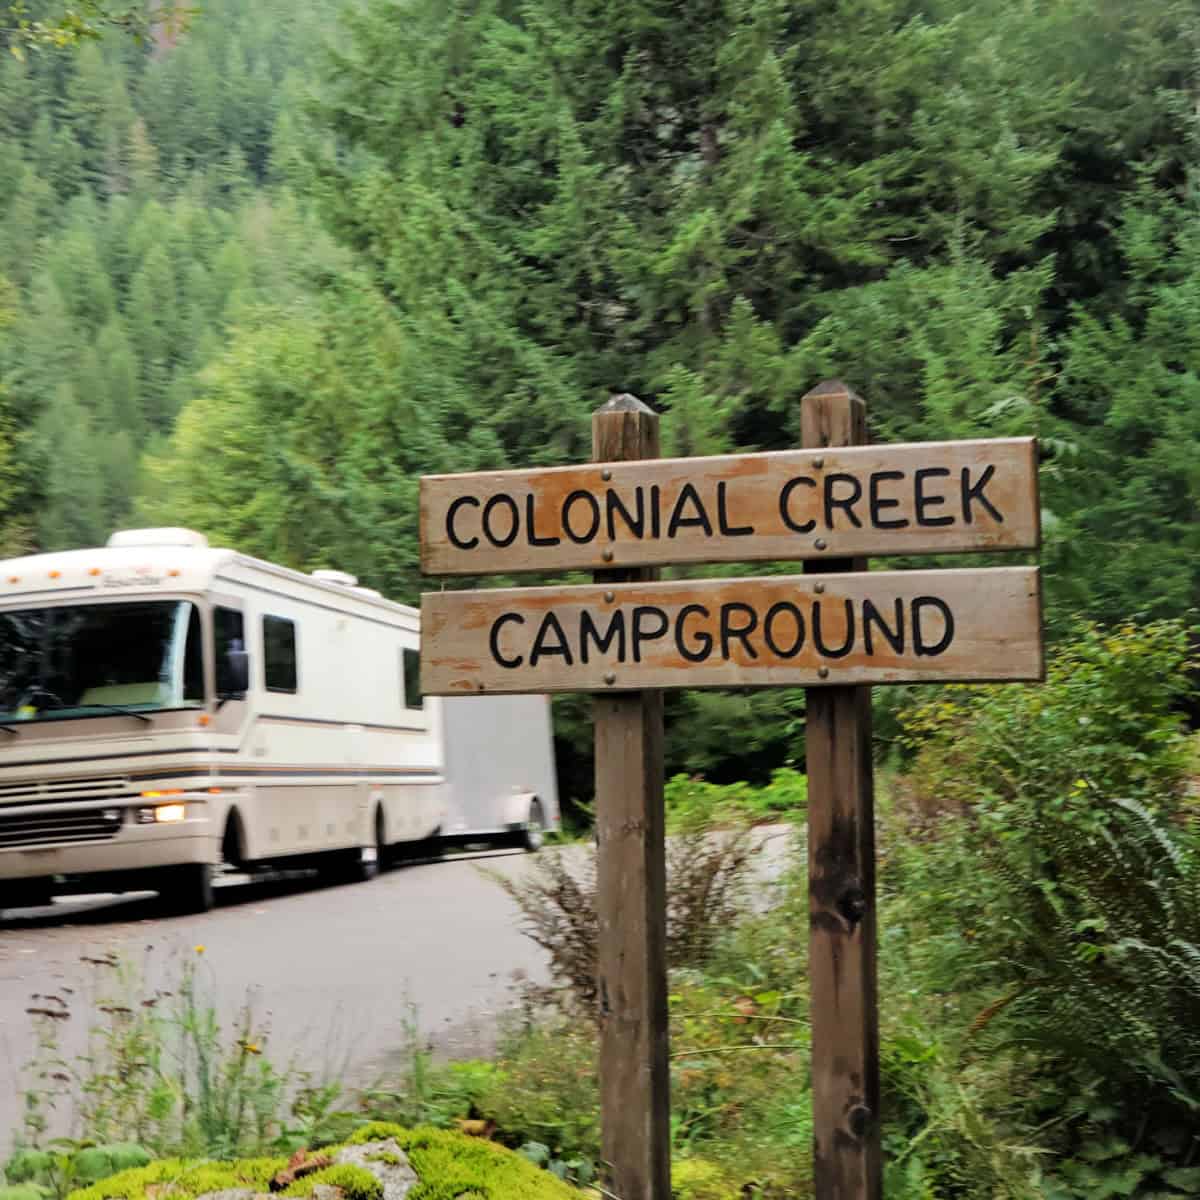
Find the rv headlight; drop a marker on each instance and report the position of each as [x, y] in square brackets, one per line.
[170, 812]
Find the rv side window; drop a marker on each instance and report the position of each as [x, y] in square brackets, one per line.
[229, 643]
[279, 654]
[412, 679]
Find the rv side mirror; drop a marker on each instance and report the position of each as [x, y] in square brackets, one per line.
[233, 674]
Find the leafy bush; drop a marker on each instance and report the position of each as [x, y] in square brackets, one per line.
[1057, 890]
[557, 902]
[693, 804]
[1105, 723]
[67, 1165]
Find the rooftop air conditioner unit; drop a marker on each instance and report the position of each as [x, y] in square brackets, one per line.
[338, 577]
[158, 537]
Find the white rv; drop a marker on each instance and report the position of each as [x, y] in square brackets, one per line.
[168, 709]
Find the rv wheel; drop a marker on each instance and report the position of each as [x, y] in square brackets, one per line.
[188, 888]
[534, 834]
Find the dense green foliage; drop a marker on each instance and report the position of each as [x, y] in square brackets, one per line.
[261, 271]
[1039, 941]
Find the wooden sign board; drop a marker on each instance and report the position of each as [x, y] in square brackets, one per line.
[793, 630]
[924, 498]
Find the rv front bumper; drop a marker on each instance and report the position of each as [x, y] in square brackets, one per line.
[48, 840]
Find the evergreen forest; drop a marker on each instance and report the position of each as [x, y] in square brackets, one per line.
[265, 263]
[263, 267]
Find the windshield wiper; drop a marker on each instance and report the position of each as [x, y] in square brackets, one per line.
[125, 712]
[10, 729]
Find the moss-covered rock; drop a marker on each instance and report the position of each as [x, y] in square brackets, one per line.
[448, 1166]
[699, 1179]
[185, 1179]
[357, 1182]
[21, 1191]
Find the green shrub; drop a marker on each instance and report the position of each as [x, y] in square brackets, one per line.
[26, 1166]
[693, 804]
[706, 877]
[1055, 900]
[71, 1165]
[21, 1191]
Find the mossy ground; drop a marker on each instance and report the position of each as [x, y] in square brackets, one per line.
[450, 1166]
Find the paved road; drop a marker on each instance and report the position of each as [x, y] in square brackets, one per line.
[333, 968]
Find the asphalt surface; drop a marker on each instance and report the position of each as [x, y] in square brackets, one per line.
[339, 975]
[336, 973]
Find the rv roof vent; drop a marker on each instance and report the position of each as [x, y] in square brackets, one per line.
[335, 577]
[158, 537]
[362, 591]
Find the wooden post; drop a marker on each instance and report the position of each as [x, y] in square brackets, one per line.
[631, 888]
[841, 875]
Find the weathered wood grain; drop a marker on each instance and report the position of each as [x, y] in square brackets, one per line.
[841, 875]
[786, 630]
[631, 892]
[930, 497]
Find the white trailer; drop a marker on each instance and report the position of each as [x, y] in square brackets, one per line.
[168, 709]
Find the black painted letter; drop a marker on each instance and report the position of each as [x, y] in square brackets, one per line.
[872, 616]
[542, 648]
[689, 495]
[847, 503]
[784, 606]
[923, 501]
[588, 629]
[879, 503]
[494, 641]
[578, 538]
[785, 497]
[640, 634]
[514, 515]
[723, 515]
[530, 532]
[741, 633]
[818, 639]
[702, 636]
[451, 513]
[975, 492]
[920, 645]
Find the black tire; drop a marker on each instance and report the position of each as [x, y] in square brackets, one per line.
[26, 893]
[188, 889]
[233, 842]
[533, 836]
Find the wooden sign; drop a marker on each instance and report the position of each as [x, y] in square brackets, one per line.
[924, 498]
[834, 630]
[787, 630]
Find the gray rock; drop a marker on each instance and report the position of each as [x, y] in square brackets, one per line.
[398, 1178]
[326, 1191]
[235, 1194]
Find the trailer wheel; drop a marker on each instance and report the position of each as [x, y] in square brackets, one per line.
[533, 836]
[188, 889]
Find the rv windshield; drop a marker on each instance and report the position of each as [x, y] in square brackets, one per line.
[92, 660]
